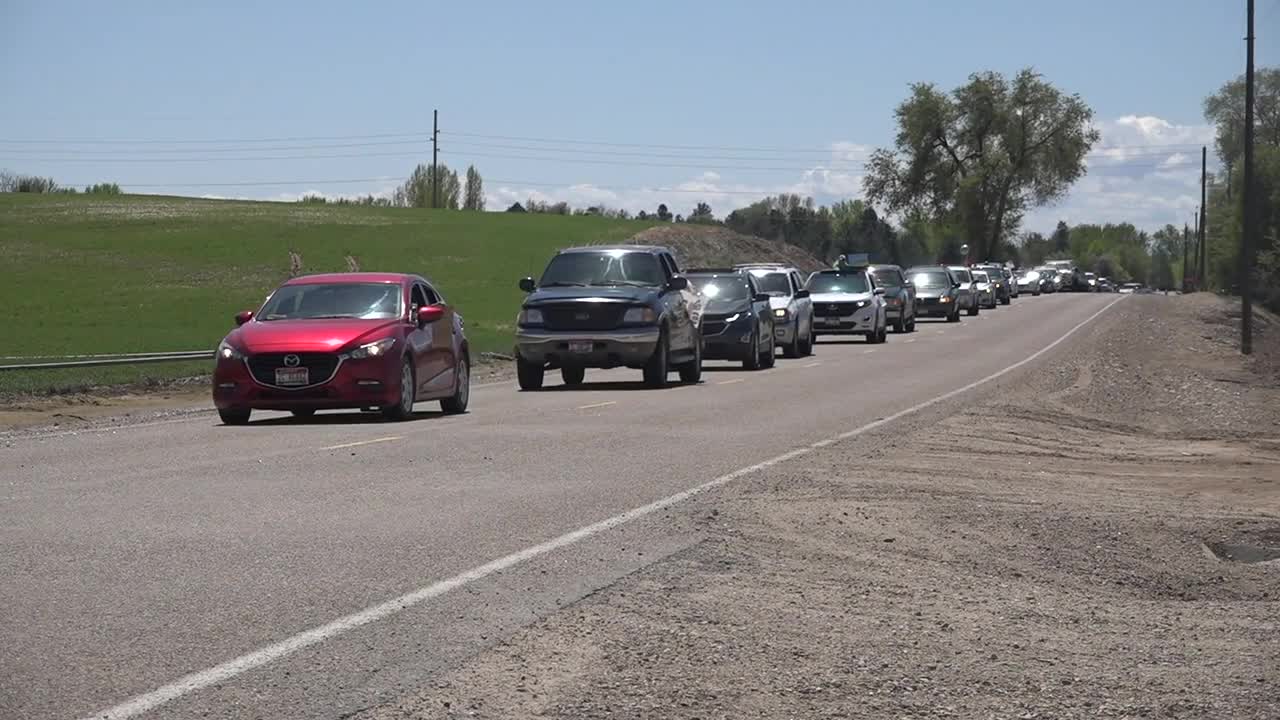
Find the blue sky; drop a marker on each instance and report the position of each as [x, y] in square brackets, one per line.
[774, 96]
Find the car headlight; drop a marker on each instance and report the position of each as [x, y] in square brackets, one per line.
[373, 349]
[227, 351]
[780, 313]
[530, 317]
[861, 304]
[640, 315]
[945, 299]
[732, 318]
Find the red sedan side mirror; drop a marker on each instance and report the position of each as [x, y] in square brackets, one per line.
[243, 317]
[428, 314]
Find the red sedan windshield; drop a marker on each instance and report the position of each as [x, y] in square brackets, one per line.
[371, 301]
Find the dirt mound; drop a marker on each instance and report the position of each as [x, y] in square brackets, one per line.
[712, 245]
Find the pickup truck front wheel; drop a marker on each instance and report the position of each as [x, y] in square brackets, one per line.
[659, 366]
[529, 374]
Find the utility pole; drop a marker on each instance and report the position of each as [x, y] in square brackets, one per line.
[1246, 242]
[1198, 259]
[1186, 241]
[1202, 232]
[435, 158]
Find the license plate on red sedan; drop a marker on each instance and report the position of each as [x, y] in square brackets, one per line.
[292, 376]
[580, 346]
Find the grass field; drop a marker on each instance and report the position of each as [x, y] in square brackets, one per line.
[87, 274]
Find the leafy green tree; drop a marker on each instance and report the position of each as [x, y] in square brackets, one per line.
[983, 154]
[474, 199]
[702, 214]
[419, 190]
[663, 213]
[1225, 109]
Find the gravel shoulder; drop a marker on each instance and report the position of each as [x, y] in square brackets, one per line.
[1038, 549]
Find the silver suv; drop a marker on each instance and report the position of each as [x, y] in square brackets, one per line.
[790, 303]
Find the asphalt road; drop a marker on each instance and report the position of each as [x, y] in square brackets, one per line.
[136, 557]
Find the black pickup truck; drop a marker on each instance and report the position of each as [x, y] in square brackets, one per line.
[605, 307]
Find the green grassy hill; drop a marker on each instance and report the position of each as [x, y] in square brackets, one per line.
[143, 273]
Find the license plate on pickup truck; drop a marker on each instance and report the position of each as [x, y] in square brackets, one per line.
[581, 347]
[292, 377]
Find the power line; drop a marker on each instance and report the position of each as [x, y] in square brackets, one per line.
[254, 158]
[164, 151]
[207, 141]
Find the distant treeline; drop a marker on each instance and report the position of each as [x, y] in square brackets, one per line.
[11, 183]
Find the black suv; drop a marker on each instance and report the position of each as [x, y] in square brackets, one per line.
[937, 292]
[737, 321]
[608, 306]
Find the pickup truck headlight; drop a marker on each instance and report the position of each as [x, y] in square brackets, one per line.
[373, 349]
[638, 315]
[227, 351]
[530, 317]
[780, 313]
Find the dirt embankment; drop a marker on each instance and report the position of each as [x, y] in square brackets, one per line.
[712, 245]
[1042, 553]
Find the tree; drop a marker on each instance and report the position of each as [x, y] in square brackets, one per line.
[1035, 248]
[983, 154]
[1061, 241]
[419, 190]
[663, 213]
[702, 214]
[475, 190]
[1225, 109]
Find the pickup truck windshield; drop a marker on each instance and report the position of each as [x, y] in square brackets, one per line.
[839, 283]
[603, 268]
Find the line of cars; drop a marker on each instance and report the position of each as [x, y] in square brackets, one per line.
[385, 341]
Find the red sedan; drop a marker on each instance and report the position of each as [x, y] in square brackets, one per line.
[344, 341]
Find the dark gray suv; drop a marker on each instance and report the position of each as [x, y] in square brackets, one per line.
[606, 307]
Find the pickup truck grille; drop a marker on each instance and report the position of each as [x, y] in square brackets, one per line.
[834, 309]
[320, 366]
[583, 316]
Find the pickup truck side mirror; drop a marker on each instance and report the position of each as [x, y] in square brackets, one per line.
[878, 291]
[802, 294]
[528, 285]
[760, 297]
[678, 282]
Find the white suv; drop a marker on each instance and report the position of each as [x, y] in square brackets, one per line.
[789, 301]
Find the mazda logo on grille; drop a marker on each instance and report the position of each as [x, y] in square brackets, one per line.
[292, 360]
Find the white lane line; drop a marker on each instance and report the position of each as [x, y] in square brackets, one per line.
[364, 442]
[868, 351]
[910, 341]
[237, 666]
[814, 364]
[598, 405]
[729, 382]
